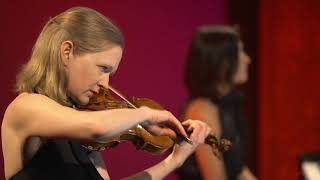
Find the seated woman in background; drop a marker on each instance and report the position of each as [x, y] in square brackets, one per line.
[216, 63]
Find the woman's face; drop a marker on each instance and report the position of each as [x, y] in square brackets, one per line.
[86, 73]
[241, 74]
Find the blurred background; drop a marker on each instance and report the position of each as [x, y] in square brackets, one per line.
[281, 99]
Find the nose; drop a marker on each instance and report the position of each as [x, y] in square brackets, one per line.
[104, 81]
[248, 59]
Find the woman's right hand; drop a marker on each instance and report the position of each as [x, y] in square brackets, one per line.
[161, 122]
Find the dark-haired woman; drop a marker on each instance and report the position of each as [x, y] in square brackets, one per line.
[216, 64]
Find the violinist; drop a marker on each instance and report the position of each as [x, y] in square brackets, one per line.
[72, 59]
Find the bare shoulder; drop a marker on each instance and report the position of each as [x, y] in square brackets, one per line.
[37, 115]
[23, 106]
[31, 100]
[203, 104]
[203, 109]
[26, 102]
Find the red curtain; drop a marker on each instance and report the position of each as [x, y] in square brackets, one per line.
[289, 88]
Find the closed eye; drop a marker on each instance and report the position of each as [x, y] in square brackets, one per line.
[105, 69]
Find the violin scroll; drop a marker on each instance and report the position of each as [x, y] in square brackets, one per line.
[218, 146]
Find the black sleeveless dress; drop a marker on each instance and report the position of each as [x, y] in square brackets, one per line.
[59, 160]
[233, 128]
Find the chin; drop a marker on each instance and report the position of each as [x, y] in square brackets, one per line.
[244, 80]
[83, 101]
[241, 80]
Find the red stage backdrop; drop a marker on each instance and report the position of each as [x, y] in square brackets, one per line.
[157, 35]
[289, 85]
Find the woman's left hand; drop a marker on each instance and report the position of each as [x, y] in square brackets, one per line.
[199, 131]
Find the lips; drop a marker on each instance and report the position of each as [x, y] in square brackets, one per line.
[93, 93]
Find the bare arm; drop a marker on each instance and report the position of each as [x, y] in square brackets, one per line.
[156, 172]
[210, 166]
[38, 115]
[246, 174]
[98, 162]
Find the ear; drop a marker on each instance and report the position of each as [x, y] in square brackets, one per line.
[66, 51]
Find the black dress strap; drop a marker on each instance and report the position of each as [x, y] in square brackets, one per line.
[82, 157]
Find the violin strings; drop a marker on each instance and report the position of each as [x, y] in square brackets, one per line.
[188, 140]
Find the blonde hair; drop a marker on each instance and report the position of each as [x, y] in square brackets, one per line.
[89, 31]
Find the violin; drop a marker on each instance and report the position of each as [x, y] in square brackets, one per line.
[139, 136]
